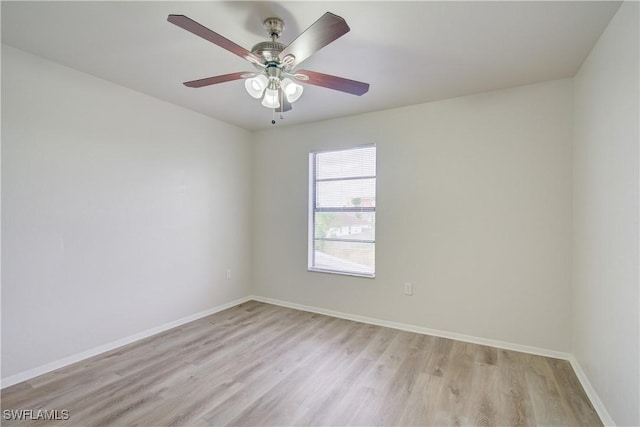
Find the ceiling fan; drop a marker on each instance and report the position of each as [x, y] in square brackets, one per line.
[275, 77]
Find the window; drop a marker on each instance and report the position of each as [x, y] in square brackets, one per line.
[342, 211]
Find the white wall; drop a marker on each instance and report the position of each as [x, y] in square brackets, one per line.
[606, 335]
[120, 212]
[474, 208]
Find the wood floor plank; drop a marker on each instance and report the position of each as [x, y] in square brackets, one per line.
[275, 365]
[337, 404]
[260, 364]
[574, 399]
[514, 393]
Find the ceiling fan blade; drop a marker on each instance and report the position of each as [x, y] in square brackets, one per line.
[333, 82]
[218, 79]
[322, 32]
[284, 106]
[192, 26]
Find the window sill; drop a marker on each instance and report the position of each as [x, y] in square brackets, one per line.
[342, 273]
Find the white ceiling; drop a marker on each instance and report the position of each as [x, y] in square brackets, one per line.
[410, 52]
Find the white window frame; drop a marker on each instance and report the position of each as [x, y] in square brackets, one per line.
[313, 209]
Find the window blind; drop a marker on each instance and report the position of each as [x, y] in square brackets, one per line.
[342, 201]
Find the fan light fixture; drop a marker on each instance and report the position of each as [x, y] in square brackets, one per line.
[270, 99]
[270, 87]
[291, 90]
[256, 85]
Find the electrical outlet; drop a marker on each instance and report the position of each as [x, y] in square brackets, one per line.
[408, 288]
[228, 273]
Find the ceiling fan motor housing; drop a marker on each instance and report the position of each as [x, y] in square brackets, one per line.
[269, 50]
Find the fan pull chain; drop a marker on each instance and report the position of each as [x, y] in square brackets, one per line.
[273, 116]
[281, 104]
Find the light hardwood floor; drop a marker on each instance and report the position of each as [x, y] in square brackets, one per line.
[260, 364]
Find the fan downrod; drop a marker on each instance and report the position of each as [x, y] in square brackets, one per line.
[274, 27]
[269, 51]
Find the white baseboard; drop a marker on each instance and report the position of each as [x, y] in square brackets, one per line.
[32, 373]
[591, 393]
[604, 415]
[420, 330]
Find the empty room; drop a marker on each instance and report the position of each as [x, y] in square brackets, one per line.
[378, 213]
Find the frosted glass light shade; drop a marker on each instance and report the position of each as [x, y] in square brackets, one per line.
[255, 85]
[291, 90]
[270, 99]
